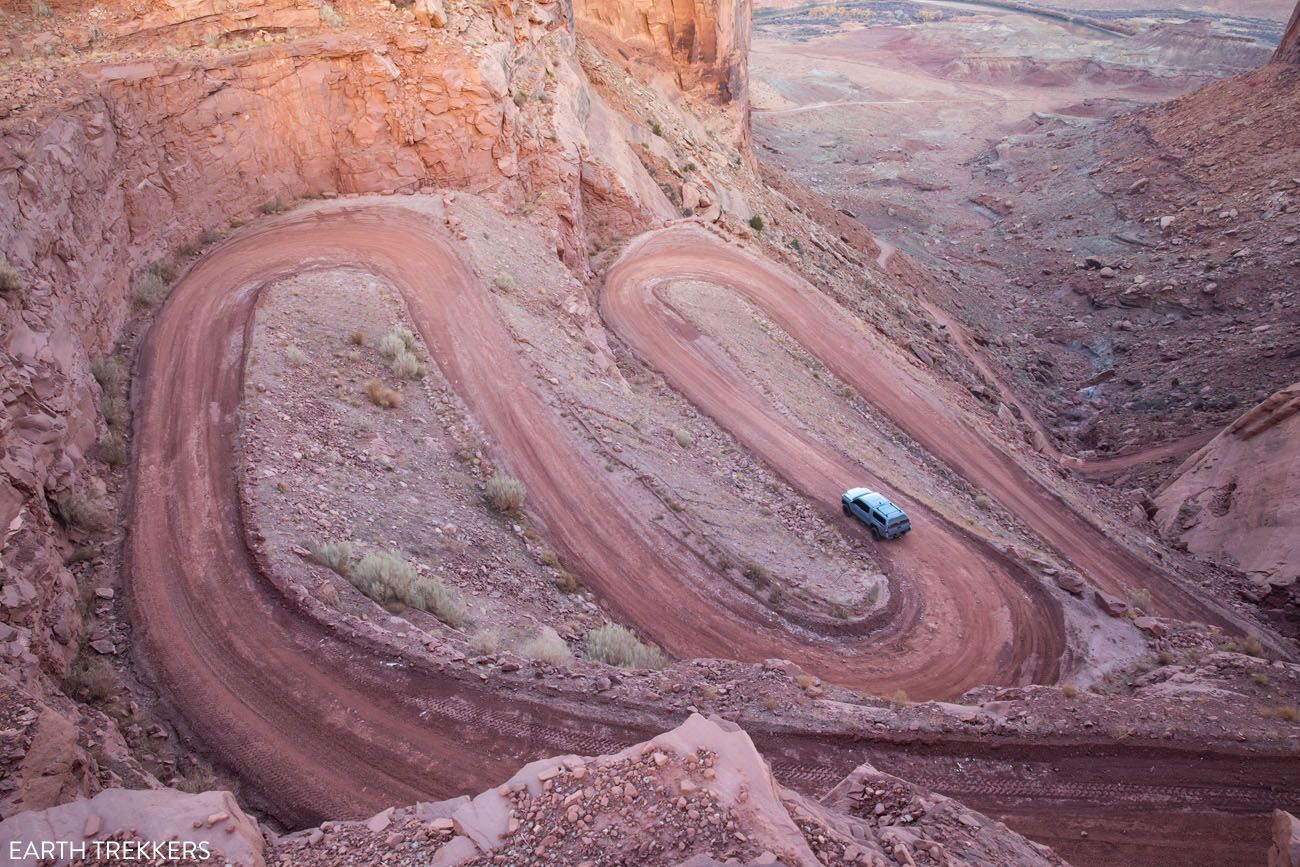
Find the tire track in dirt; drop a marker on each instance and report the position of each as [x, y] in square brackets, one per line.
[317, 720]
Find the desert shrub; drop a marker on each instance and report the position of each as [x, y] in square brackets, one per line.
[40, 9]
[548, 648]
[91, 679]
[399, 339]
[898, 699]
[406, 366]
[84, 511]
[756, 223]
[388, 579]
[504, 282]
[196, 779]
[804, 681]
[334, 555]
[770, 702]
[330, 17]
[111, 450]
[108, 372]
[357, 338]
[383, 576]
[983, 502]
[443, 602]
[114, 410]
[567, 582]
[1249, 645]
[275, 206]
[505, 494]
[684, 438]
[1069, 690]
[1140, 601]
[656, 128]
[295, 355]
[549, 559]
[382, 395]
[1259, 678]
[617, 645]
[10, 280]
[485, 641]
[149, 289]
[758, 576]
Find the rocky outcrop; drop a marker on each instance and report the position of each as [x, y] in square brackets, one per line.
[208, 827]
[698, 795]
[1289, 49]
[703, 45]
[1285, 851]
[1237, 500]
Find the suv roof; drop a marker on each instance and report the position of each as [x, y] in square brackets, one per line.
[880, 504]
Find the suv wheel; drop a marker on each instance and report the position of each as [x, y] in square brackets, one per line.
[844, 507]
[875, 533]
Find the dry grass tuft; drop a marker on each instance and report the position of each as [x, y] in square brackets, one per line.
[505, 494]
[548, 648]
[613, 644]
[382, 395]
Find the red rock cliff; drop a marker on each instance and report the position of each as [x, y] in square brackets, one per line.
[702, 44]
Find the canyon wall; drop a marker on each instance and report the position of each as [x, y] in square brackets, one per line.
[120, 167]
[1289, 50]
[703, 45]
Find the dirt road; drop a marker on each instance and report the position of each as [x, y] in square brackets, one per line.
[319, 722]
[700, 370]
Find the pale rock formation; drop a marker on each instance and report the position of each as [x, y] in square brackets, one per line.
[1285, 851]
[1237, 500]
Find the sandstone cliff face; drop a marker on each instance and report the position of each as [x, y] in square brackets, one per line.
[702, 44]
[1289, 49]
[1238, 499]
[108, 167]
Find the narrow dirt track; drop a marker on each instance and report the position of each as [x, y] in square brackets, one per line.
[321, 723]
[699, 369]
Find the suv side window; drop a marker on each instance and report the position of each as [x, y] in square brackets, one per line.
[879, 517]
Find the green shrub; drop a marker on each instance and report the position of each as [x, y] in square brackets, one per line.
[295, 356]
[504, 282]
[684, 438]
[617, 645]
[387, 578]
[505, 494]
[756, 223]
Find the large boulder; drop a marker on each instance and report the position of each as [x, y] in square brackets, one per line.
[1285, 851]
[1237, 500]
